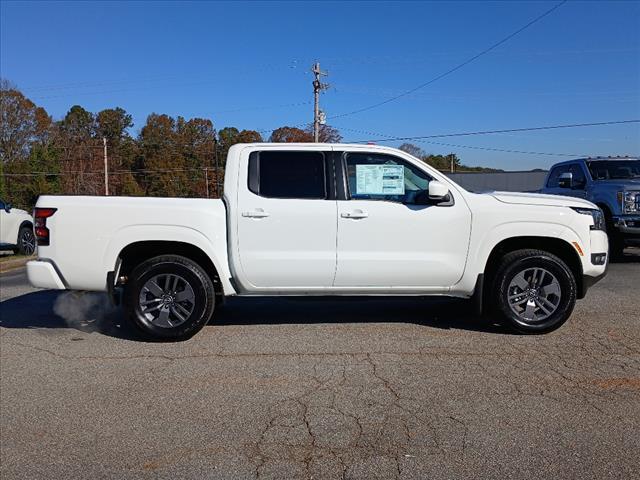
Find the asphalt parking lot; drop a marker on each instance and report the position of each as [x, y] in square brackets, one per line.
[341, 388]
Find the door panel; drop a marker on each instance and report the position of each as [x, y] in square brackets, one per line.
[287, 243]
[386, 238]
[8, 228]
[399, 245]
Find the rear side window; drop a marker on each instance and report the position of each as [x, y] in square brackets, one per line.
[287, 174]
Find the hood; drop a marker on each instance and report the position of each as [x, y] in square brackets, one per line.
[541, 199]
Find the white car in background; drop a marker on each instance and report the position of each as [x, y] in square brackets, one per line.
[16, 230]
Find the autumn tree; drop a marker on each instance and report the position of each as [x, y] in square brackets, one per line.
[412, 149]
[23, 126]
[229, 136]
[327, 134]
[289, 135]
[113, 124]
[161, 167]
[197, 142]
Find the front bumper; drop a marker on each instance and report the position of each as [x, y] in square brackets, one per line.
[43, 274]
[589, 281]
[627, 224]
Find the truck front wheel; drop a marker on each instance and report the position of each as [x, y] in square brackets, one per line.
[169, 297]
[535, 291]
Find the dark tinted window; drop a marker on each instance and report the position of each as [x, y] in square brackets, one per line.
[555, 174]
[579, 180]
[288, 175]
[614, 169]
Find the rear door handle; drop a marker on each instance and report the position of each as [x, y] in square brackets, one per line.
[355, 214]
[257, 213]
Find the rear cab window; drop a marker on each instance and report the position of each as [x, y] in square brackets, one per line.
[288, 174]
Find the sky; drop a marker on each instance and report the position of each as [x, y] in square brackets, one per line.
[248, 65]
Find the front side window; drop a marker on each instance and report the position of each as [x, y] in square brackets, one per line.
[578, 179]
[554, 176]
[374, 176]
[287, 174]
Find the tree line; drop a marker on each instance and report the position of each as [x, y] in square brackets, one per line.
[170, 156]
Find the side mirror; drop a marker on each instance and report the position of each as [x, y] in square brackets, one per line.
[437, 190]
[565, 180]
[7, 207]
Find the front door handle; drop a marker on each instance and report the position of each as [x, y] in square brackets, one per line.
[257, 213]
[356, 214]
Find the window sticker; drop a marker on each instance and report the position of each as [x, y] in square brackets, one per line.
[379, 180]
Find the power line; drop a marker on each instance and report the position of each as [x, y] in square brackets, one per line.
[507, 130]
[454, 69]
[474, 147]
[114, 172]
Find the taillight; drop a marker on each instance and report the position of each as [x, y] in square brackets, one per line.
[40, 216]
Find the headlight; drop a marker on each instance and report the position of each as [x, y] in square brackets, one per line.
[596, 215]
[629, 201]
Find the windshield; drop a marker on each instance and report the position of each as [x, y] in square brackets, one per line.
[614, 169]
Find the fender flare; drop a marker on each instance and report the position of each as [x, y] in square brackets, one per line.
[215, 248]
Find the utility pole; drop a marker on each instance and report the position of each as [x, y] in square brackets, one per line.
[106, 168]
[451, 157]
[318, 86]
[215, 155]
[206, 179]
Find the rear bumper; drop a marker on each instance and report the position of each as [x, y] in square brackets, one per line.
[43, 274]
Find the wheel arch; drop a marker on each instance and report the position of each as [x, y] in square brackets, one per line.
[26, 223]
[556, 246]
[139, 251]
[136, 243]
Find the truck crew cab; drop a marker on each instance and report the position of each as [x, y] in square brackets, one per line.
[613, 184]
[324, 219]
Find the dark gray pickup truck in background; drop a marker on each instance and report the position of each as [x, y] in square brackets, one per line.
[612, 183]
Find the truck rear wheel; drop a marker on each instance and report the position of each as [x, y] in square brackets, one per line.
[169, 297]
[534, 291]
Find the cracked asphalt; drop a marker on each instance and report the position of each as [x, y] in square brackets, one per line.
[323, 388]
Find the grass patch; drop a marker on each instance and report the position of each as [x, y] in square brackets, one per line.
[9, 261]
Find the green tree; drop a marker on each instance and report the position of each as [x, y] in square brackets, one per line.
[78, 124]
[112, 124]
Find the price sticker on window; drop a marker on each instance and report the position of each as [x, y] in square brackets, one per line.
[379, 180]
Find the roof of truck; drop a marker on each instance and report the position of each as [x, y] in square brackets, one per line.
[590, 159]
[309, 144]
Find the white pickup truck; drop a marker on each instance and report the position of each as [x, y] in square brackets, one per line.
[323, 219]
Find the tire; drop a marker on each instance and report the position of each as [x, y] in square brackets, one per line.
[26, 242]
[534, 291]
[616, 247]
[169, 297]
[616, 242]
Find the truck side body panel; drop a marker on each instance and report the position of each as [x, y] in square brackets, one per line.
[88, 233]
